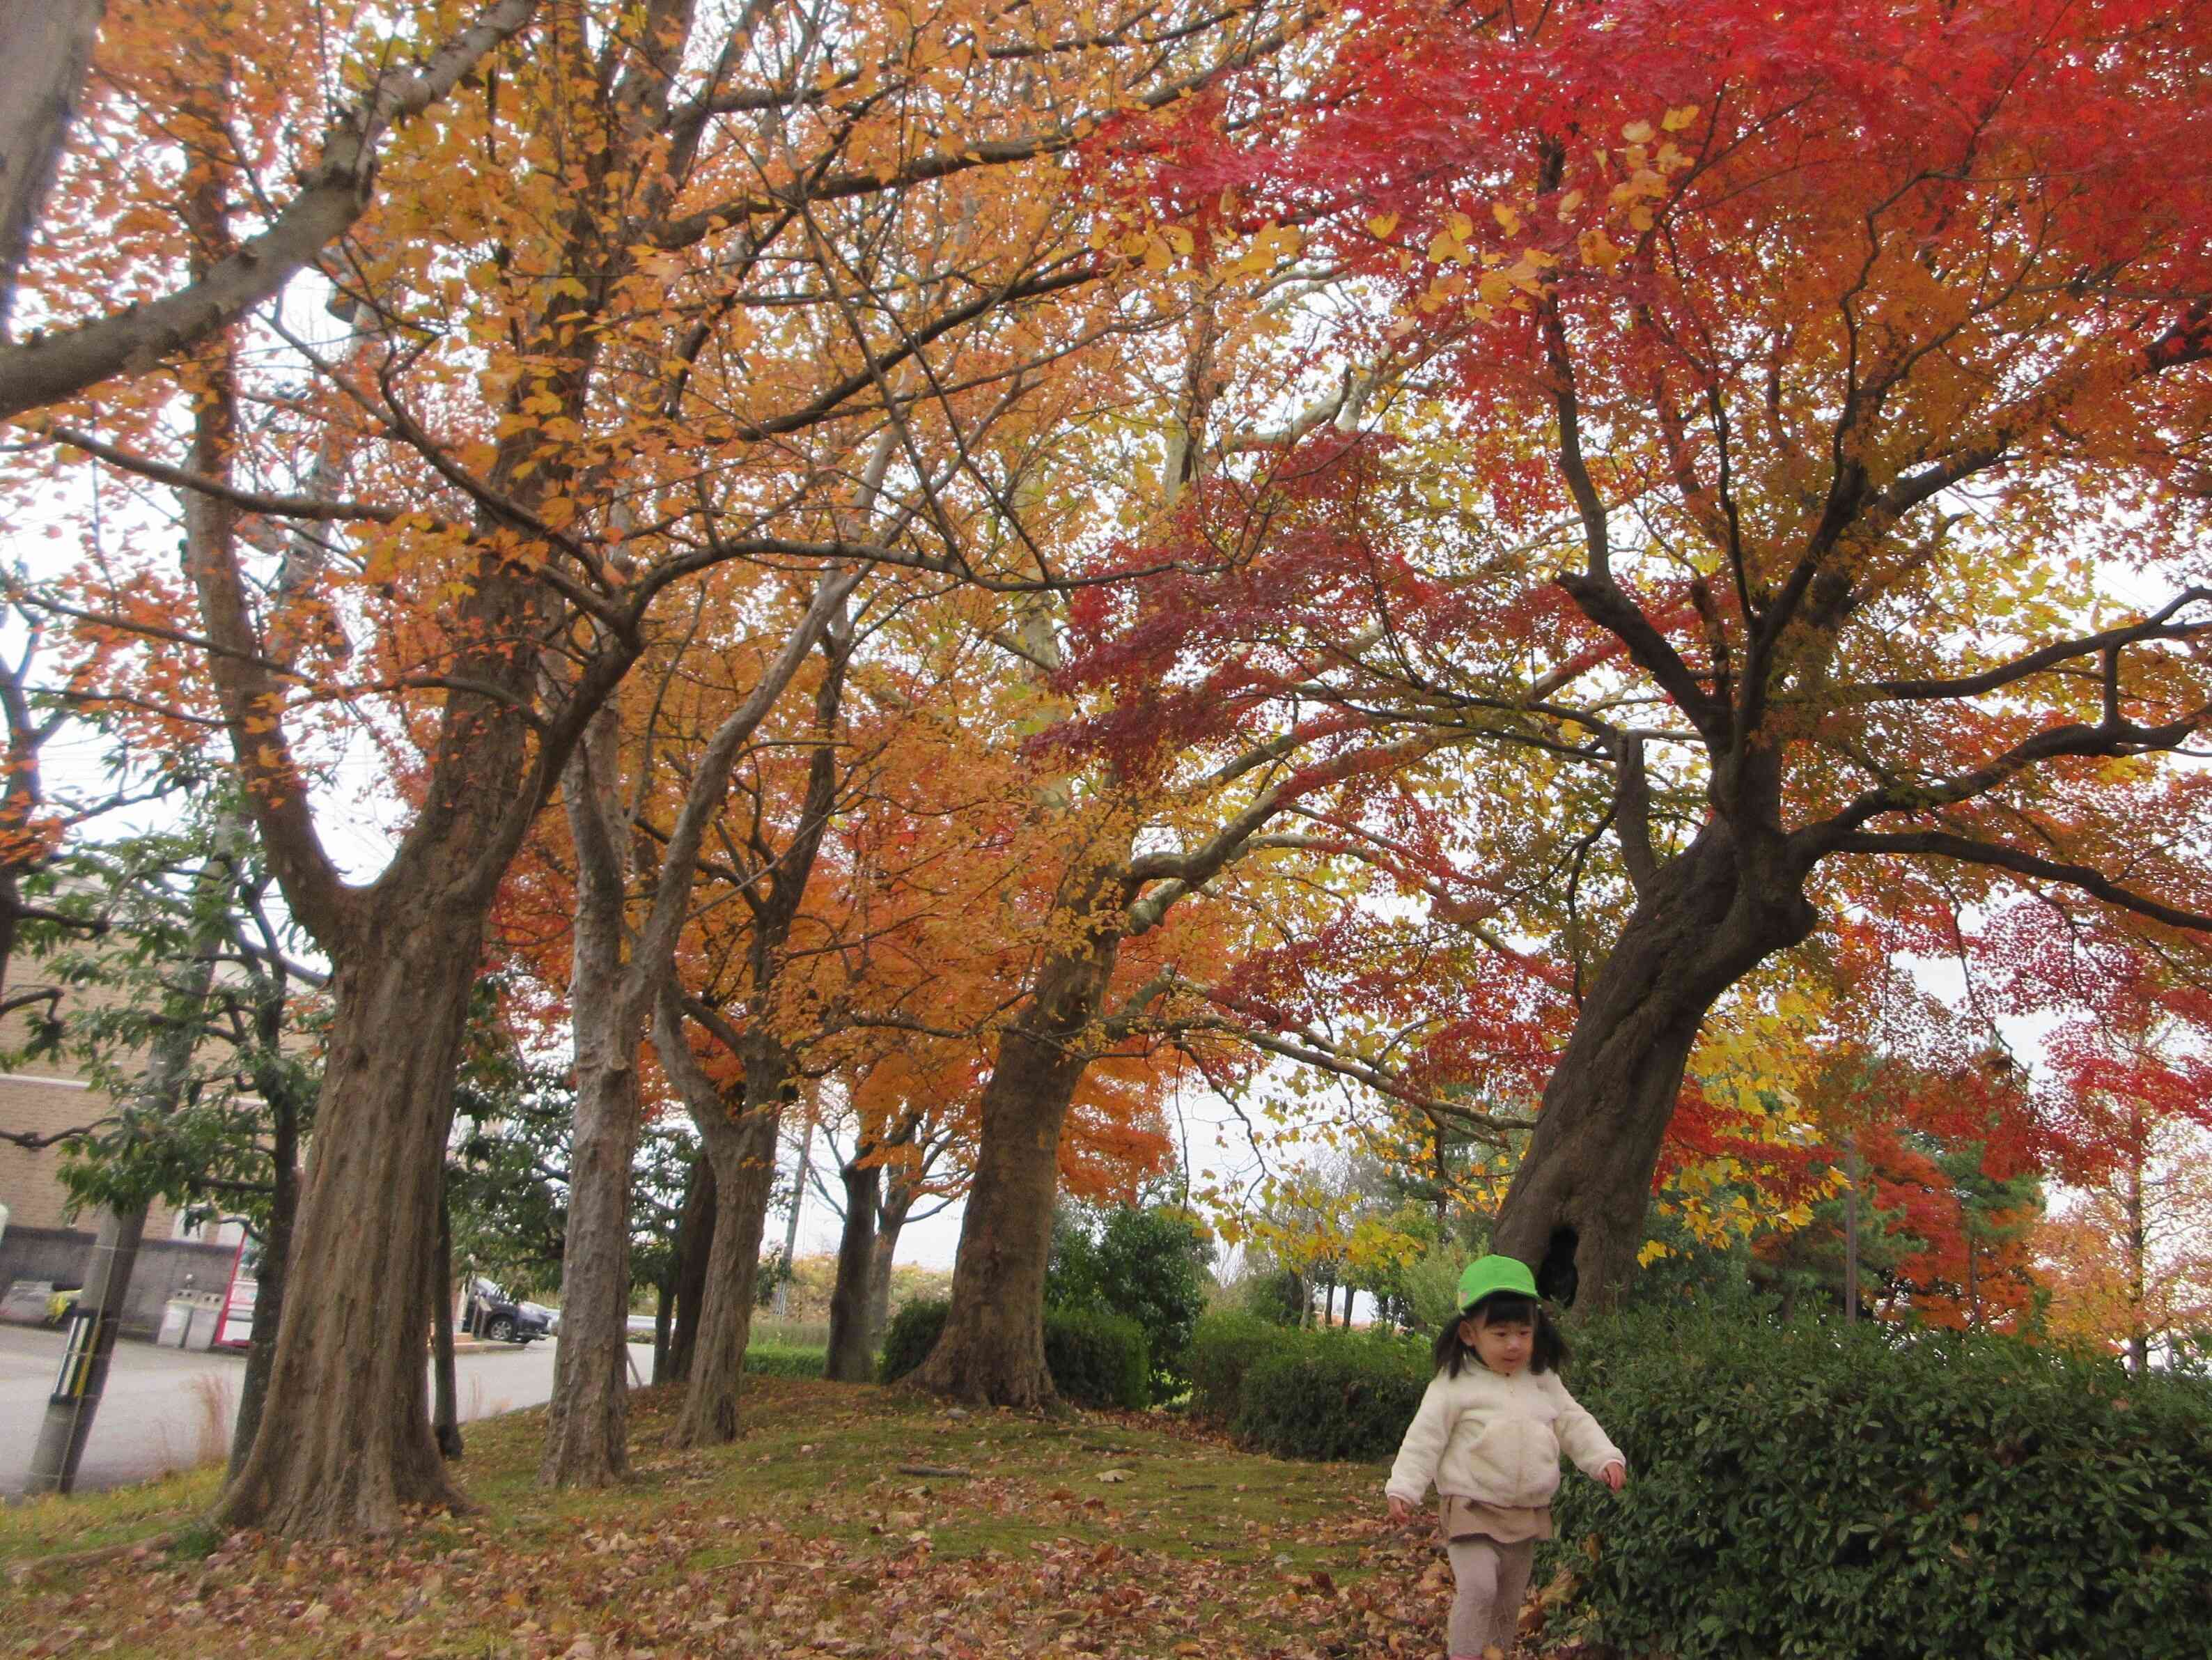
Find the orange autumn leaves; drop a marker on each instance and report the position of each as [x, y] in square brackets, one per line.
[933, 890]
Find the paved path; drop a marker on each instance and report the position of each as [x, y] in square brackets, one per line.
[165, 1409]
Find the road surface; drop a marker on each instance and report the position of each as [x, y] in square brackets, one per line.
[167, 1409]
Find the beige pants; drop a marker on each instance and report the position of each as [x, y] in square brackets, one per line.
[1492, 1578]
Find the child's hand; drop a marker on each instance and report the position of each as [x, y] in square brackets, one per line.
[1400, 1511]
[1614, 1475]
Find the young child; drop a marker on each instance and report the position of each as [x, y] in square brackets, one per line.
[1489, 1433]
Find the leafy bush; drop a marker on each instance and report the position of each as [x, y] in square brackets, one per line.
[910, 1337]
[1071, 1274]
[1332, 1394]
[1152, 1268]
[1430, 1287]
[776, 1360]
[1223, 1348]
[1096, 1359]
[1275, 1295]
[1818, 1491]
[1144, 1263]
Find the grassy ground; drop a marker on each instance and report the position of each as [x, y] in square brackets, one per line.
[849, 1520]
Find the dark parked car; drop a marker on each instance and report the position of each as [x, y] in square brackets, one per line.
[490, 1313]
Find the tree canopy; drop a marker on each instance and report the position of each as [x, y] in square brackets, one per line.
[1489, 586]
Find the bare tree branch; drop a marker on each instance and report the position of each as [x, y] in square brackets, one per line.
[1944, 844]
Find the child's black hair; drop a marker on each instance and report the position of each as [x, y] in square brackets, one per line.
[1502, 1308]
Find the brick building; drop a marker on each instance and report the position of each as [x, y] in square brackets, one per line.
[42, 1241]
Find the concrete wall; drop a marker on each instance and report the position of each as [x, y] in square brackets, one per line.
[164, 1267]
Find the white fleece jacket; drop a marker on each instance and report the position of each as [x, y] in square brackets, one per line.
[1483, 1435]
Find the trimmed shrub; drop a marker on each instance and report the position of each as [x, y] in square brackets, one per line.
[777, 1360]
[1332, 1394]
[1096, 1359]
[910, 1337]
[1223, 1348]
[1808, 1491]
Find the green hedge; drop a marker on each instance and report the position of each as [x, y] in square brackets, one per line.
[1331, 1395]
[1810, 1492]
[1223, 1348]
[910, 1337]
[777, 1361]
[1096, 1359]
[1813, 1491]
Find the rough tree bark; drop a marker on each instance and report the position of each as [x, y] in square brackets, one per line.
[617, 978]
[744, 1181]
[694, 1233]
[850, 1349]
[345, 1439]
[47, 48]
[991, 1351]
[890, 1223]
[1575, 1211]
[273, 1273]
[586, 1425]
[739, 1134]
[586, 1428]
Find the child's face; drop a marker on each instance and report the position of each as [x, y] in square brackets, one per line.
[1502, 1346]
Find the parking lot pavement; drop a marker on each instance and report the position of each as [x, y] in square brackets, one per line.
[166, 1409]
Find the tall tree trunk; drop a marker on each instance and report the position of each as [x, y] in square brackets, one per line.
[849, 1356]
[1575, 1211]
[48, 46]
[445, 1392]
[744, 1154]
[345, 1441]
[588, 1421]
[2136, 1250]
[695, 1235]
[586, 1428]
[791, 1223]
[613, 991]
[273, 1272]
[890, 1223]
[345, 1437]
[991, 1351]
[664, 1324]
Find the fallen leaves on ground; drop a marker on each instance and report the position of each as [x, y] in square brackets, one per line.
[776, 1547]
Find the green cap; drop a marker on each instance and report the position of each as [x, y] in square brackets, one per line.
[1486, 1276]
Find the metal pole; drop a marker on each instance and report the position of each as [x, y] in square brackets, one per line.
[75, 1400]
[71, 1409]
